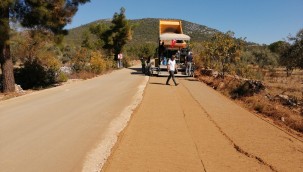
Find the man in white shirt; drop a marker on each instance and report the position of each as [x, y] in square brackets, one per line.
[171, 67]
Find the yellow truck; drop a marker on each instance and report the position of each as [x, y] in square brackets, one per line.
[172, 41]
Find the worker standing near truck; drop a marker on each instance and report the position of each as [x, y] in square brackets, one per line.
[143, 64]
[189, 63]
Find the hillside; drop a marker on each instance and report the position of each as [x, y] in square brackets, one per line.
[145, 30]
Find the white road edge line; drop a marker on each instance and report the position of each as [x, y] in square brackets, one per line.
[97, 157]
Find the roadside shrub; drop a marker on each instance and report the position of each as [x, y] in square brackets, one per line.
[97, 63]
[68, 53]
[38, 70]
[126, 62]
[248, 88]
[80, 60]
[243, 70]
[146, 50]
[259, 107]
[265, 58]
[110, 64]
[35, 74]
[85, 61]
[297, 125]
[203, 60]
[257, 74]
[62, 77]
[82, 75]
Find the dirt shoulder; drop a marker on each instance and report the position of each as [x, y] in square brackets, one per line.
[193, 128]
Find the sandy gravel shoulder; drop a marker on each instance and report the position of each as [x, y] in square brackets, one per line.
[193, 128]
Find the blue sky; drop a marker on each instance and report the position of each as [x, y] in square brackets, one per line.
[260, 21]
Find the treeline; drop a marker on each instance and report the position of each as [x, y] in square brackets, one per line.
[227, 54]
[290, 53]
[41, 56]
[41, 61]
[49, 17]
[34, 55]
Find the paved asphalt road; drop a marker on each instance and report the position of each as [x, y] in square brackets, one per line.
[67, 128]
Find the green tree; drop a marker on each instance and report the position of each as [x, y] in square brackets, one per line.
[98, 30]
[146, 50]
[278, 47]
[86, 40]
[50, 16]
[288, 60]
[292, 54]
[118, 34]
[265, 58]
[297, 48]
[205, 59]
[225, 50]
[222, 53]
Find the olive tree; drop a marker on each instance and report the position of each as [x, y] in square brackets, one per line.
[225, 50]
[292, 55]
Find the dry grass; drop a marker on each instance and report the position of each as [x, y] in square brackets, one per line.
[274, 110]
[82, 75]
[278, 83]
[6, 96]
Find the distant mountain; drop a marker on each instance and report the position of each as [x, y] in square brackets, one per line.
[146, 30]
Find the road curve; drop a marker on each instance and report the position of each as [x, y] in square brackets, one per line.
[68, 128]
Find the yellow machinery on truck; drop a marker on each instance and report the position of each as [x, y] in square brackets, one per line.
[172, 41]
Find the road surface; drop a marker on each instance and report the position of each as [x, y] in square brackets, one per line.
[191, 127]
[68, 128]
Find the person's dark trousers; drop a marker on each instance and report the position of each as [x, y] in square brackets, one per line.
[171, 75]
[143, 69]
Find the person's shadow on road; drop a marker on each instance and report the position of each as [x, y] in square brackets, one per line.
[136, 71]
[157, 83]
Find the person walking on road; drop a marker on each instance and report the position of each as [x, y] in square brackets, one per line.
[171, 67]
[143, 64]
[119, 62]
